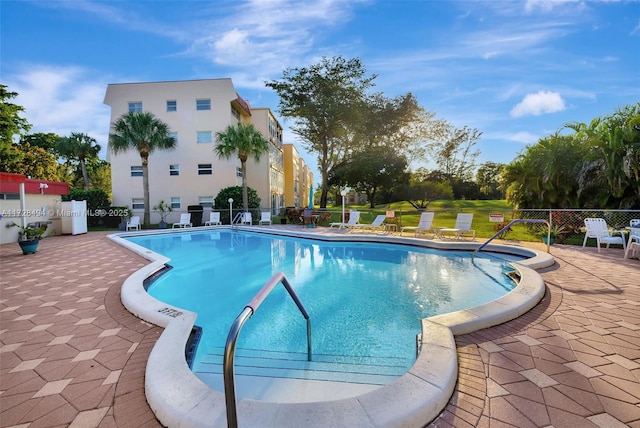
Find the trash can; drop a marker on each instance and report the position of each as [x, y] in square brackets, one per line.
[196, 214]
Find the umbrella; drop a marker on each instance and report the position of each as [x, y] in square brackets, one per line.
[311, 197]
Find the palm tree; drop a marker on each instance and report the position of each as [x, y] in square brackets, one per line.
[145, 133]
[244, 141]
[79, 146]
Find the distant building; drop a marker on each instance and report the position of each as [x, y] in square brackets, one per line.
[192, 174]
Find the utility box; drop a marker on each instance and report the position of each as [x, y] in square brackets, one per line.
[74, 217]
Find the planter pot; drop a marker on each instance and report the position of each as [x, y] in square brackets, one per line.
[162, 225]
[29, 247]
[551, 241]
[283, 221]
[122, 226]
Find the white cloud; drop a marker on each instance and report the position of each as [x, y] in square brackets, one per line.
[62, 100]
[537, 104]
[524, 137]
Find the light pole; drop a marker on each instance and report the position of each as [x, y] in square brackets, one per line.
[343, 192]
[231, 211]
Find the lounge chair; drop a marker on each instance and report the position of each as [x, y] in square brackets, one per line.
[246, 218]
[185, 221]
[634, 239]
[597, 228]
[265, 218]
[376, 224]
[214, 219]
[354, 217]
[461, 228]
[133, 223]
[424, 225]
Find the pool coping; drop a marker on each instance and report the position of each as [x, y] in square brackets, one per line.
[179, 398]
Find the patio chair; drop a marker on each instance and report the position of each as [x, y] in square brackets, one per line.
[246, 218]
[634, 239]
[597, 228]
[424, 225]
[265, 218]
[461, 228]
[133, 223]
[354, 217]
[214, 219]
[376, 224]
[185, 221]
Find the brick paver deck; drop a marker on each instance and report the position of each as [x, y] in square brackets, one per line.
[72, 356]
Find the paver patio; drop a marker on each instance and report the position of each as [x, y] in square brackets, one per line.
[72, 356]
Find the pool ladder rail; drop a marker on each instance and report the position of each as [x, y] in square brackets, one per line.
[518, 220]
[232, 338]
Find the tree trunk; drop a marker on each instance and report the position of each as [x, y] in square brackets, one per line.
[245, 193]
[85, 175]
[145, 186]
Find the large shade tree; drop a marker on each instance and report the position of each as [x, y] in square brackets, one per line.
[324, 100]
[11, 123]
[79, 147]
[144, 133]
[243, 141]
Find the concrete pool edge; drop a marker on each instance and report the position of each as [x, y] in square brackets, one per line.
[179, 398]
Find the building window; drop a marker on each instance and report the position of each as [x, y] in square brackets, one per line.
[204, 104]
[239, 171]
[9, 196]
[173, 135]
[174, 169]
[172, 105]
[235, 113]
[136, 171]
[175, 202]
[205, 169]
[206, 201]
[137, 203]
[135, 107]
[205, 137]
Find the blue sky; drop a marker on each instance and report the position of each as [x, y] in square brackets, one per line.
[515, 70]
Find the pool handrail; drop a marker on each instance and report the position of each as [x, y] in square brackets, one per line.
[518, 220]
[232, 338]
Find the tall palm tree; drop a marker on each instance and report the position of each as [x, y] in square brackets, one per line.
[79, 146]
[245, 141]
[145, 133]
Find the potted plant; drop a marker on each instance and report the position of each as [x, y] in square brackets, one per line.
[556, 232]
[164, 209]
[30, 236]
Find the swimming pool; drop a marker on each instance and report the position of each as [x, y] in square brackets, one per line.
[366, 300]
[177, 396]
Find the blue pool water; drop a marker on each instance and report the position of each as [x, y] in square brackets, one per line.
[364, 299]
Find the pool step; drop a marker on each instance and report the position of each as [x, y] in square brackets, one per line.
[292, 365]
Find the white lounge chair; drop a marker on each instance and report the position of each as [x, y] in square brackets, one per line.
[461, 228]
[354, 217]
[424, 225]
[634, 239]
[597, 228]
[265, 218]
[214, 219]
[185, 221]
[134, 223]
[246, 218]
[376, 224]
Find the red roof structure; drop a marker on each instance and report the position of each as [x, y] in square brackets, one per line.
[10, 183]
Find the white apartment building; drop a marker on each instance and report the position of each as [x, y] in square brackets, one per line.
[192, 174]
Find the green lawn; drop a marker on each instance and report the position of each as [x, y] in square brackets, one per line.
[445, 216]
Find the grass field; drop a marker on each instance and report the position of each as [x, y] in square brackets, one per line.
[445, 216]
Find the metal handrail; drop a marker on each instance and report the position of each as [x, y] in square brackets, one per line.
[518, 220]
[237, 218]
[230, 347]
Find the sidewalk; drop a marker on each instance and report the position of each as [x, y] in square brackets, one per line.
[71, 355]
